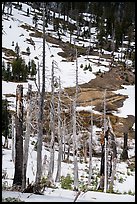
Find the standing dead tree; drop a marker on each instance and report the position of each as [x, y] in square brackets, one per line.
[59, 136]
[112, 156]
[37, 188]
[52, 127]
[75, 142]
[17, 182]
[13, 138]
[27, 136]
[104, 142]
[124, 155]
[90, 150]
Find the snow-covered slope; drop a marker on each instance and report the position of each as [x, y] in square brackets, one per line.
[66, 70]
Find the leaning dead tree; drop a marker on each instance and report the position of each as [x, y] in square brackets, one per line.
[27, 136]
[17, 181]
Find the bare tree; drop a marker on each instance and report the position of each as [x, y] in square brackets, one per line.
[104, 141]
[59, 136]
[13, 138]
[17, 181]
[40, 117]
[6, 129]
[105, 146]
[75, 142]
[90, 150]
[27, 136]
[113, 150]
[52, 127]
[124, 154]
[75, 150]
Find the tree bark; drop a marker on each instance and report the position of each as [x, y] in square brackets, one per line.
[75, 150]
[27, 137]
[40, 117]
[125, 148]
[90, 151]
[59, 137]
[52, 126]
[19, 137]
[13, 139]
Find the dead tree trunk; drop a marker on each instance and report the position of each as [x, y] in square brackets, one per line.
[104, 144]
[40, 116]
[6, 132]
[27, 136]
[85, 150]
[13, 139]
[63, 140]
[75, 150]
[75, 142]
[105, 147]
[90, 151]
[124, 155]
[52, 127]
[17, 182]
[59, 137]
[112, 156]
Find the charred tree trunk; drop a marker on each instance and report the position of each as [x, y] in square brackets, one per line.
[124, 155]
[17, 182]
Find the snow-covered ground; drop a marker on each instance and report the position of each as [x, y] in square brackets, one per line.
[127, 108]
[66, 71]
[123, 188]
[59, 195]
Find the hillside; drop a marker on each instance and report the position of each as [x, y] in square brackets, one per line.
[100, 68]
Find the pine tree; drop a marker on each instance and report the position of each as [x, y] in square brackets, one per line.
[33, 70]
[17, 50]
[28, 51]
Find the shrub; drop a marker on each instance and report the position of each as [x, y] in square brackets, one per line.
[131, 193]
[66, 182]
[81, 66]
[10, 199]
[121, 180]
[85, 68]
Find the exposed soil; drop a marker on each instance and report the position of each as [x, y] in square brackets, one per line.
[93, 93]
